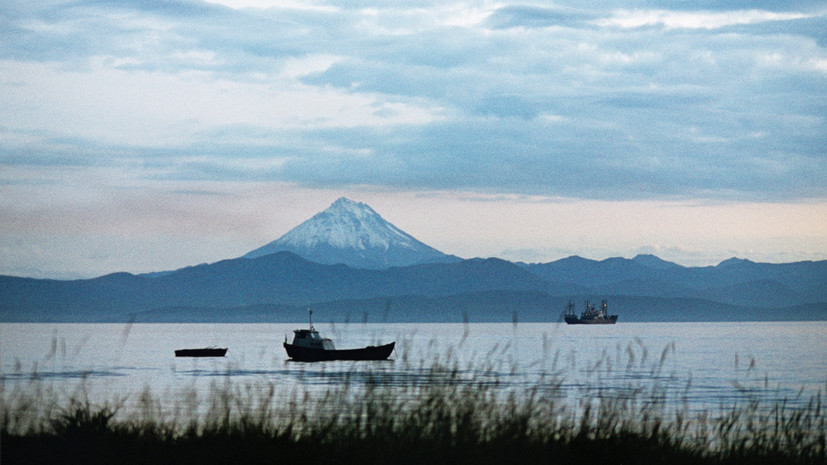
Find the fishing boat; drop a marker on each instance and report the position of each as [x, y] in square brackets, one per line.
[203, 352]
[590, 316]
[309, 346]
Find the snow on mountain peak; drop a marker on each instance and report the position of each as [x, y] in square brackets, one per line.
[347, 224]
[352, 233]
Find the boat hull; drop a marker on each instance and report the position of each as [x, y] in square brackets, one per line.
[205, 352]
[573, 320]
[305, 354]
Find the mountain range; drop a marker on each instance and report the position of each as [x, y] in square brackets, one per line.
[350, 264]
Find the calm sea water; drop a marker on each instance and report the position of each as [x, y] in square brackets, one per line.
[706, 365]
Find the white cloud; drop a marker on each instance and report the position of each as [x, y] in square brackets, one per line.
[277, 4]
[151, 108]
[462, 15]
[692, 19]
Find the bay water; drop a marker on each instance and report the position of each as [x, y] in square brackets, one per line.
[704, 366]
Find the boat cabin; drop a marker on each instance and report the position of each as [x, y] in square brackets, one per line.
[311, 339]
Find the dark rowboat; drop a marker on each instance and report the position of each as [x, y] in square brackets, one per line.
[204, 352]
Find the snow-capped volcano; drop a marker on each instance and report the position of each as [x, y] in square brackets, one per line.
[351, 233]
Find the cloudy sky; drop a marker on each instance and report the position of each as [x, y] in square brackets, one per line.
[148, 135]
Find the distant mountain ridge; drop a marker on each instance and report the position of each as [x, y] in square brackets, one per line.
[353, 234]
[639, 289]
[733, 281]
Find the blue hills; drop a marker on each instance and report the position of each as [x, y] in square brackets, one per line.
[351, 264]
[280, 286]
[734, 281]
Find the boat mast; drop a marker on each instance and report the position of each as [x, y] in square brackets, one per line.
[310, 318]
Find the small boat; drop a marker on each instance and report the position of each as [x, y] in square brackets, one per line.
[309, 346]
[203, 352]
[590, 316]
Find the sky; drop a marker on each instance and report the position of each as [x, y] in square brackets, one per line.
[151, 135]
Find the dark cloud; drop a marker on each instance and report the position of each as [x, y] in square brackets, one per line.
[506, 106]
[813, 27]
[724, 5]
[176, 9]
[530, 16]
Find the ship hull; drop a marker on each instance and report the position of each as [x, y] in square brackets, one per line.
[206, 352]
[305, 354]
[573, 320]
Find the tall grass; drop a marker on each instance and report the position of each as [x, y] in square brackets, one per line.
[446, 415]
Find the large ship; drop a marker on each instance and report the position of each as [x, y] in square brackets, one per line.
[309, 346]
[590, 316]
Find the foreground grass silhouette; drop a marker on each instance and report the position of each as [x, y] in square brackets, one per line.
[443, 419]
